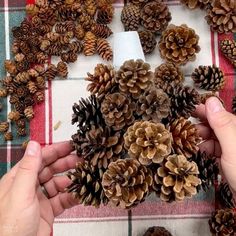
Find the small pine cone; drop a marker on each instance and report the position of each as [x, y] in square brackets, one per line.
[51, 72]
[41, 58]
[210, 78]
[21, 123]
[22, 77]
[10, 67]
[8, 136]
[90, 43]
[39, 96]
[91, 7]
[101, 31]
[209, 169]
[22, 91]
[148, 41]
[69, 57]
[225, 196]
[126, 183]
[21, 132]
[4, 126]
[105, 14]
[117, 111]
[148, 142]
[14, 115]
[75, 47]
[138, 2]
[32, 87]
[177, 179]
[102, 81]
[24, 144]
[86, 185]
[23, 65]
[157, 231]
[104, 49]
[79, 32]
[228, 48]
[3, 92]
[153, 104]
[221, 16]
[185, 137]
[40, 82]
[179, 44]
[29, 112]
[192, 4]
[223, 222]
[130, 17]
[86, 21]
[99, 145]
[168, 73]
[155, 16]
[62, 69]
[19, 57]
[134, 77]
[33, 73]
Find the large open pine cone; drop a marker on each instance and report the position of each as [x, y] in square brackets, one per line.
[192, 4]
[155, 16]
[185, 137]
[221, 16]
[130, 17]
[179, 44]
[225, 196]
[148, 142]
[223, 222]
[148, 41]
[102, 81]
[157, 231]
[86, 184]
[134, 77]
[126, 183]
[153, 105]
[117, 111]
[209, 77]
[177, 179]
[99, 145]
[228, 48]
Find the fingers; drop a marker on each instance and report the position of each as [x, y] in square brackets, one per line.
[59, 166]
[200, 113]
[204, 131]
[211, 147]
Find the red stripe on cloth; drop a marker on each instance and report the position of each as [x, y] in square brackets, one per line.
[50, 110]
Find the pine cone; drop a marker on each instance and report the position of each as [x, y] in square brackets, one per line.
[148, 142]
[223, 222]
[228, 48]
[91, 7]
[3, 92]
[4, 126]
[29, 112]
[90, 43]
[168, 73]
[205, 96]
[117, 111]
[134, 77]
[8, 136]
[102, 81]
[62, 69]
[104, 49]
[153, 105]
[209, 169]
[101, 31]
[105, 14]
[221, 16]
[51, 72]
[99, 145]
[177, 179]
[225, 196]
[148, 41]
[14, 115]
[234, 105]
[79, 32]
[209, 78]
[86, 185]
[185, 137]
[155, 16]
[157, 231]
[179, 44]
[130, 17]
[192, 4]
[139, 2]
[126, 183]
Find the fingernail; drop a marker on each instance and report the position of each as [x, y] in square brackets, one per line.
[214, 105]
[32, 148]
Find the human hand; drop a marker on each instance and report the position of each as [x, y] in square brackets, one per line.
[218, 129]
[24, 209]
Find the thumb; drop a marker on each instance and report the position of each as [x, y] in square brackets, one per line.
[24, 185]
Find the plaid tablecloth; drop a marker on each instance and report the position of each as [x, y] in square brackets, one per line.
[188, 218]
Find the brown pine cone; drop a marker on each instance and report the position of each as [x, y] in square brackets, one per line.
[3, 92]
[225, 196]
[185, 137]
[90, 43]
[32, 87]
[117, 111]
[104, 49]
[101, 31]
[69, 57]
[192, 4]
[79, 32]
[176, 179]
[51, 72]
[10, 67]
[179, 44]
[86, 185]
[126, 183]
[62, 69]
[205, 96]
[91, 7]
[148, 142]
[4, 126]
[102, 81]
[105, 14]
[8, 136]
[14, 115]
[86, 21]
[155, 16]
[228, 48]
[29, 112]
[148, 41]
[209, 78]
[221, 16]
[39, 96]
[168, 73]
[153, 105]
[223, 222]
[134, 77]
[138, 2]
[234, 105]
[130, 17]
[99, 145]
[157, 231]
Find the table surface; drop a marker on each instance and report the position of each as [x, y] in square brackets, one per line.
[188, 218]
